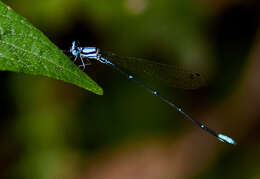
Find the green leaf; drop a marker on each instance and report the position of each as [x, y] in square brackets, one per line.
[23, 48]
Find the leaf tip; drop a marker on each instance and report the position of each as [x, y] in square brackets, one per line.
[99, 91]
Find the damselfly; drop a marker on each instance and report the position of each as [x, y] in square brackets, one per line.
[174, 76]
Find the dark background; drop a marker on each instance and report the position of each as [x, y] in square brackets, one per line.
[49, 129]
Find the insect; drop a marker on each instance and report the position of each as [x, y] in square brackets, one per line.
[172, 75]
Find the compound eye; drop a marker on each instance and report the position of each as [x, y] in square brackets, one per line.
[75, 52]
[75, 43]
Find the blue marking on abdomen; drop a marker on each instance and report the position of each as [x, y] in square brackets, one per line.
[103, 60]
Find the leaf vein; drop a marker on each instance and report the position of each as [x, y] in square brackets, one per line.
[29, 52]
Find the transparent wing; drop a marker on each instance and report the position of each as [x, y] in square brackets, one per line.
[170, 75]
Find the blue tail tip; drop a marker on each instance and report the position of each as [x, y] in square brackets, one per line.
[226, 139]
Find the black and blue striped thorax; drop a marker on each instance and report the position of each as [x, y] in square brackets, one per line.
[89, 53]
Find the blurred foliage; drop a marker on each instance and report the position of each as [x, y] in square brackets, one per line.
[54, 130]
